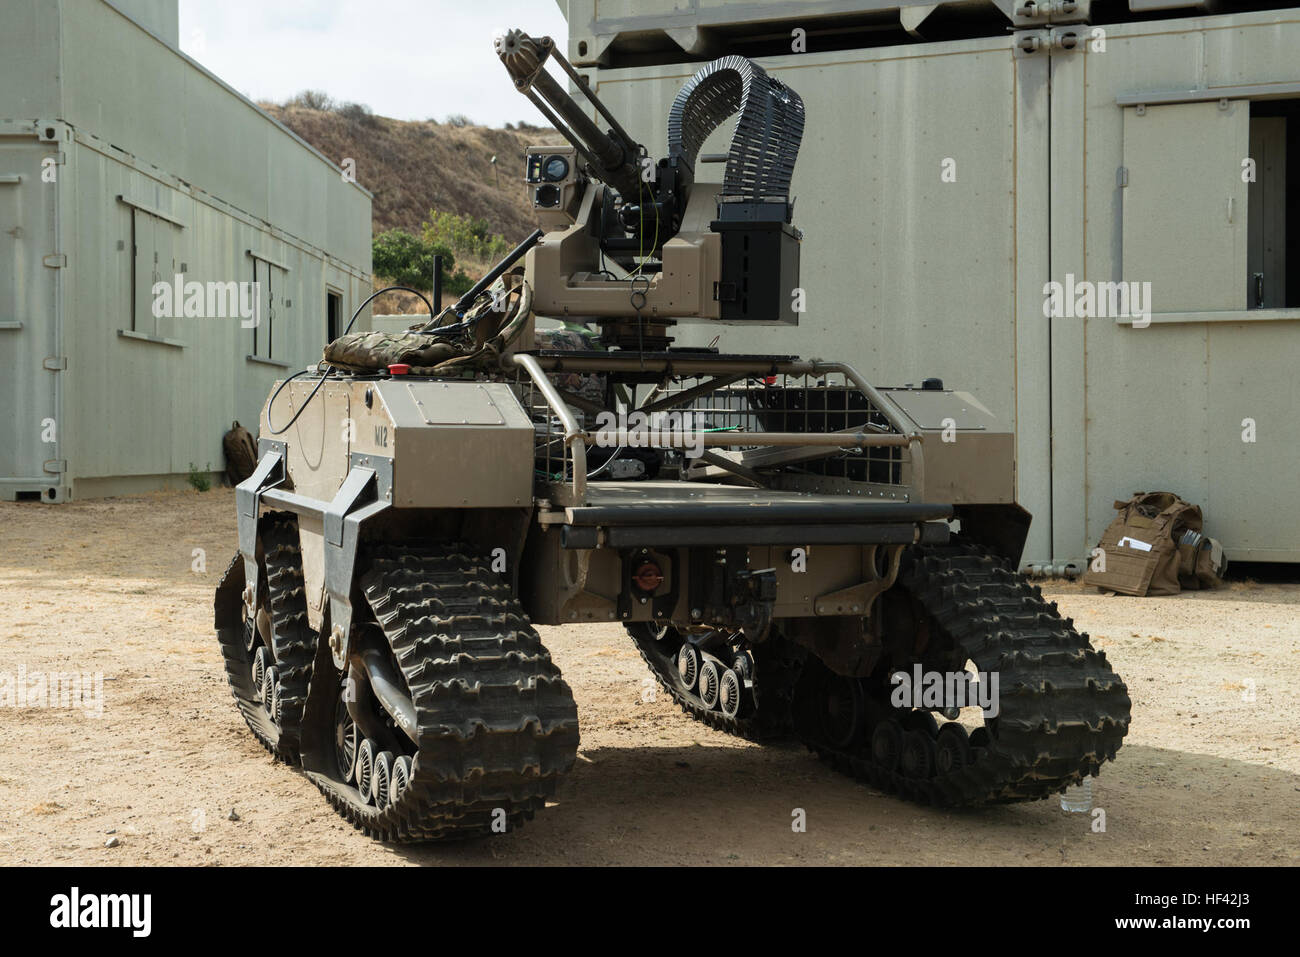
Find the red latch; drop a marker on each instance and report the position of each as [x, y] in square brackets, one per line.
[399, 368]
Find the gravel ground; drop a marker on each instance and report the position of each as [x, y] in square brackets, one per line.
[1209, 774]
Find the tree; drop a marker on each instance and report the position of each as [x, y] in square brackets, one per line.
[407, 260]
[312, 100]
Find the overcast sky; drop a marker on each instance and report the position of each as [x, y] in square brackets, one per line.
[408, 59]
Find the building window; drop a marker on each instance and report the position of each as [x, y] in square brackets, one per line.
[1208, 217]
[153, 244]
[271, 310]
[1273, 233]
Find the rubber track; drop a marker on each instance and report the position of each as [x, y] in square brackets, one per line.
[497, 725]
[1063, 711]
[294, 642]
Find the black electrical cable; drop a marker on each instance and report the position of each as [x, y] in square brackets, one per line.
[330, 370]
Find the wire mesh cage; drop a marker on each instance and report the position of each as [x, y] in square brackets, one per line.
[730, 411]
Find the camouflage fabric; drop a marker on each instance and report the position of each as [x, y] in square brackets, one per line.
[590, 385]
[363, 351]
[494, 321]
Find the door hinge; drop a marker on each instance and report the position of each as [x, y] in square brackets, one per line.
[1121, 177]
[55, 260]
[55, 363]
[55, 465]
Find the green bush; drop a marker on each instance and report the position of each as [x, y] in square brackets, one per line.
[458, 284]
[465, 235]
[200, 481]
[407, 260]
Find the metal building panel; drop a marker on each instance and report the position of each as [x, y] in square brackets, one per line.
[30, 84]
[145, 409]
[139, 123]
[1252, 443]
[1066, 198]
[1183, 168]
[1161, 407]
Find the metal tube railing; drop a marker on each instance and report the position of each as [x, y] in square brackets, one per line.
[574, 436]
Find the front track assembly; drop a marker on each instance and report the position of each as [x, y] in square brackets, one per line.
[1062, 710]
[490, 723]
[494, 723]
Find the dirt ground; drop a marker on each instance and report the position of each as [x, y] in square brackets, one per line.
[1209, 774]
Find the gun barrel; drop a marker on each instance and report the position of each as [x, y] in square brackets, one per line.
[613, 156]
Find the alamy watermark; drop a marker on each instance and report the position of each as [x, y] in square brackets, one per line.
[659, 430]
[53, 689]
[75, 909]
[945, 689]
[211, 300]
[1083, 299]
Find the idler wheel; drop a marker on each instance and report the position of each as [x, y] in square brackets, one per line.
[918, 755]
[345, 740]
[887, 744]
[709, 684]
[688, 664]
[952, 748]
[401, 778]
[729, 693]
[366, 767]
[381, 778]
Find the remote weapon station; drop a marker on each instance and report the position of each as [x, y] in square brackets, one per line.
[794, 551]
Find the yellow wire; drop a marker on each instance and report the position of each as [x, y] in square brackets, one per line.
[642, 256]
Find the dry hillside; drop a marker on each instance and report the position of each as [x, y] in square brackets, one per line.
[413, 167]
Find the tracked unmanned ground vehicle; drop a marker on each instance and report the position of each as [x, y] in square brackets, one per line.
[778, 536]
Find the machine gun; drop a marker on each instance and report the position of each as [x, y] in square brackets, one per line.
[637, 245]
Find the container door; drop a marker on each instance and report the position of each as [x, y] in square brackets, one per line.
[31, 463]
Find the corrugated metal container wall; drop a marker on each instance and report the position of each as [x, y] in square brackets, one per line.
[163, 171]
[908, 275]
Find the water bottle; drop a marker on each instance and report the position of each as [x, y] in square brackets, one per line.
[1078, 797]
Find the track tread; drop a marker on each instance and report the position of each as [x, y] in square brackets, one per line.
[1063, 711]
[294, 642]
[496, 724]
